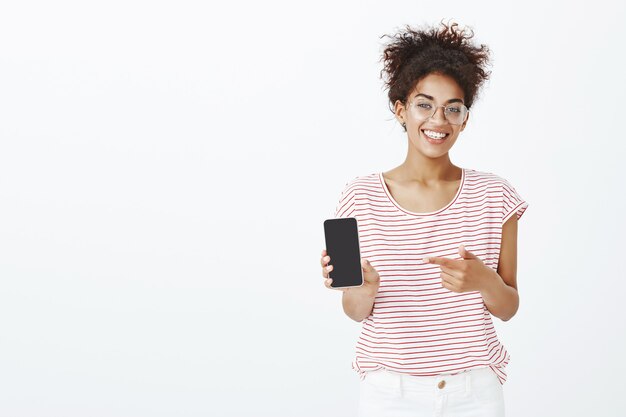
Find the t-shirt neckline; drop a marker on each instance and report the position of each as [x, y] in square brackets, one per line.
[447, 206]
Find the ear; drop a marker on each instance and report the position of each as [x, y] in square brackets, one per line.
[400, 111]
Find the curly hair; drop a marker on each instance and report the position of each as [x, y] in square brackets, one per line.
[412, 54]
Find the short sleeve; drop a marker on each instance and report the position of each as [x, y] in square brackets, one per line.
[346, 205]
[512, 202]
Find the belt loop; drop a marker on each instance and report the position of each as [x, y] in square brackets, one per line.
[468, 381]
[400, 385]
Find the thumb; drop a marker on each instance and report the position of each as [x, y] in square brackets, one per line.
[465, 254]
[366, 265]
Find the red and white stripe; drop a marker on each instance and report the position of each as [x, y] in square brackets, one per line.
[417, 326]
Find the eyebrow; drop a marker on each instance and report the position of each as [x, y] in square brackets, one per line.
[452, 100]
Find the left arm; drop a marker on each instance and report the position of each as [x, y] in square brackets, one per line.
[501, 296]
[498, 288]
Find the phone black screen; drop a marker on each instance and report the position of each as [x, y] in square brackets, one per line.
[342, 245]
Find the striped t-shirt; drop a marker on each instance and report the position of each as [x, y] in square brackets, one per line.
[417, 326]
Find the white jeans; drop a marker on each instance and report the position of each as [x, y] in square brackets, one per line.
[473, 393]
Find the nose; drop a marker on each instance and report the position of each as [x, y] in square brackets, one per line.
[439, 115]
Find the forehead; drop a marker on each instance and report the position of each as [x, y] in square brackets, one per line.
[441, 87]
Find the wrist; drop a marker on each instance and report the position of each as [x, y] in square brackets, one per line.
[372, 289]
[492, 282]
[367, 291]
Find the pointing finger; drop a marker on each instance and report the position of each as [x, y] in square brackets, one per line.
[439, 260]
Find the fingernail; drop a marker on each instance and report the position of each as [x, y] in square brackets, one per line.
[426, 260]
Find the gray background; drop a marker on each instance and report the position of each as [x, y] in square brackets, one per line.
[165, 169]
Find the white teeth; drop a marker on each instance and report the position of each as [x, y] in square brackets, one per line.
[435, 135]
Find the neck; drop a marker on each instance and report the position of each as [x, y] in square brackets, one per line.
[428, 171]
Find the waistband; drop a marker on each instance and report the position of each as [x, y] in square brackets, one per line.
[434, 384]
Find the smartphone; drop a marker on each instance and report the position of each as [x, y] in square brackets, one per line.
[342, 245]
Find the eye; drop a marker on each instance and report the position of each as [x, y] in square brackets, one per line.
[424, 105]
[454, 109]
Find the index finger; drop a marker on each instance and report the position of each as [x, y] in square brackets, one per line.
[440, 260]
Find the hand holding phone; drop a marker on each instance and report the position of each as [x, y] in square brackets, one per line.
[349, 271]
[371, 278]
[342, 243]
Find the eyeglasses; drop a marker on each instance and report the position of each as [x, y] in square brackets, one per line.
[454, 113]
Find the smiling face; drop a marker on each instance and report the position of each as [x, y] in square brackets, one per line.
[444, 90]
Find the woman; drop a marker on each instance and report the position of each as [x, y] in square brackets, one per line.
[439, 245]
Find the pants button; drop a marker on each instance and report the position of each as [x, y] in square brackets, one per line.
[441, 384]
